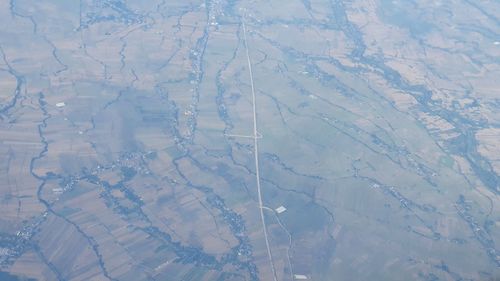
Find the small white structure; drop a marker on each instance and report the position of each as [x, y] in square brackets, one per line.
[60, 104]
[280, 209]
[496, 42]
[57, 190]
[300, 277]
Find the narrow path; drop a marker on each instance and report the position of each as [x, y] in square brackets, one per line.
[256, 153]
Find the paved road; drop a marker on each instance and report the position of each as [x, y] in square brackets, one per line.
[256, 153]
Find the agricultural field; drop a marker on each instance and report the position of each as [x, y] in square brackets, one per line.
[249, 140]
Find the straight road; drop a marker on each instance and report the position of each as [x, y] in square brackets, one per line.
[256, 153]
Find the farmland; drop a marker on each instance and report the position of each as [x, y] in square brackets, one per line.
[157, 140]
